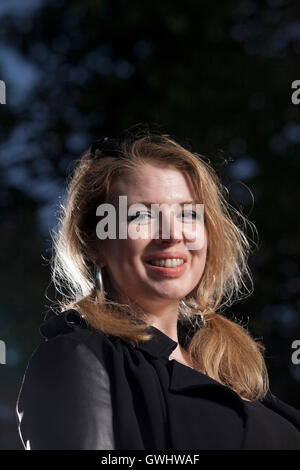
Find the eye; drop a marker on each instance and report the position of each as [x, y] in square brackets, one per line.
[194, 214]
[139, 216]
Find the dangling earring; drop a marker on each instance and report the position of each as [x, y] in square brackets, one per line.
[99, 282]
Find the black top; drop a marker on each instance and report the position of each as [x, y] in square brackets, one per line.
[83, 389]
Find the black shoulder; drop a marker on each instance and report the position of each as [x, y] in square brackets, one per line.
[70, 324]
[286, 411]
[65, 397]
[62, 323]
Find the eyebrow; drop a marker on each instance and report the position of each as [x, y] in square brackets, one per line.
[148, 204]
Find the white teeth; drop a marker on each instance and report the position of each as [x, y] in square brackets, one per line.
[168, 263]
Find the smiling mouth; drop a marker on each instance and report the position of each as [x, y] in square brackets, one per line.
[153, 263]
[165, 271]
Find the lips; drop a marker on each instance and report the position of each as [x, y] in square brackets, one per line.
[162, 271]
[166, 255]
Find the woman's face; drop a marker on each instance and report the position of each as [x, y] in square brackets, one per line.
[126, 260]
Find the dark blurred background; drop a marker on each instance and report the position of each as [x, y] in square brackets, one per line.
[219, 73]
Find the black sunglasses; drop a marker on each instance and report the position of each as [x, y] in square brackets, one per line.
[111, 146]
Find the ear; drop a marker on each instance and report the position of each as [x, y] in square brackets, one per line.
[98, 261]
[95, 256]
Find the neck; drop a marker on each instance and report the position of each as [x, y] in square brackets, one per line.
[165, 321]
[161, 315]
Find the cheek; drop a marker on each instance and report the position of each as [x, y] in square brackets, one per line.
[124, 252]
[199, 260]
[135, 248]
[195, 236]
[199, 256]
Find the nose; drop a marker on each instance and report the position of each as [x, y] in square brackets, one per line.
[170, 228]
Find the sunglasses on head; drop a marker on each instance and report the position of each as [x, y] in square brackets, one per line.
[111, 146]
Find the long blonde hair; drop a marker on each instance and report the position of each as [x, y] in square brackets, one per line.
[221, 348]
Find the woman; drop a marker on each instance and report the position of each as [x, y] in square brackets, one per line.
[140, 355]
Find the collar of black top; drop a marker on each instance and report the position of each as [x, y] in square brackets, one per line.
[159, 345]
[61, 323]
